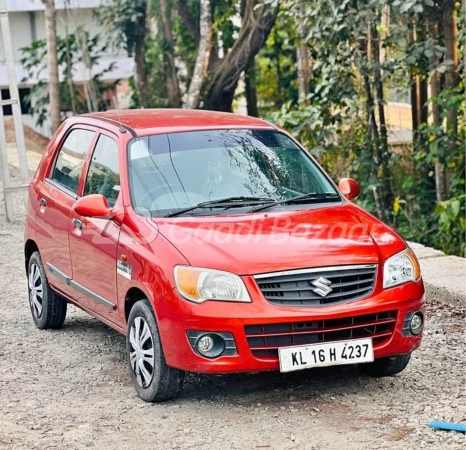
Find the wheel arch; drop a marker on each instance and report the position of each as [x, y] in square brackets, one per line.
[133, 295]
[29, 248]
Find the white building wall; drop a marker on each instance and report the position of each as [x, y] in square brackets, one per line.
[21, 34]
[27, 24]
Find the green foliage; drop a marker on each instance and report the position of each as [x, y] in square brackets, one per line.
[123, 19]
[341, 121]
[276, 68]
[452, 225]
[334, 122]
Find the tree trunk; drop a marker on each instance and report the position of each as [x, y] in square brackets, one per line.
[52, 61]
[378, 147]
[423, 100]
[464, 62]
[203, 55]
[190, 22]
[89, 87]
[451, 45]
[69, 66]
[414, 102]
[251, 89]
[435, 88]
[373, 134]
[173, 88]
[255, 29]
[383, 147]
[414, 79]
[214, 60]
[302, 57]
[277, 46]
[382, 151]
[383, 33]
[140, 74]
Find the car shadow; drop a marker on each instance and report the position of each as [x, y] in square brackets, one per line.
[270, 387]
[242, 388]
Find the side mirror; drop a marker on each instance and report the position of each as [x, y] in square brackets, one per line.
[349, 188]
[94, 205]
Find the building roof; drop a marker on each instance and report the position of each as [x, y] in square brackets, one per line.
[145, 121]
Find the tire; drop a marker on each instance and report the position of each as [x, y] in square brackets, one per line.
[387, 367]
[48, 309]
[153, 380]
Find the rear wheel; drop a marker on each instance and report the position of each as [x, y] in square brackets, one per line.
[387, 367]
[48, 309]
[153, 380]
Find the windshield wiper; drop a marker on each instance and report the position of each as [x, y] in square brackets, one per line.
[311, 197]
[228, 202]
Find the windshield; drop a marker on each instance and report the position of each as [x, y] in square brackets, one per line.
[180, 170]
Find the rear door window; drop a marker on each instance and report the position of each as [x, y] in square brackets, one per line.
[103, 176]
[71, 157]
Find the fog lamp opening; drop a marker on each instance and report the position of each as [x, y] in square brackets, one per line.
[205, 344]
[210, 345]
[416, 323]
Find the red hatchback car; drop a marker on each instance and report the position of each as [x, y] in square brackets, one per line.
[216, 244]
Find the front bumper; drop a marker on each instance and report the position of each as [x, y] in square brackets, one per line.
[176, 316]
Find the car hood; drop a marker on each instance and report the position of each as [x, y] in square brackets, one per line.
[249, 244]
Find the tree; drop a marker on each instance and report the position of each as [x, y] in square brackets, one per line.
[203, 55]
[171, 78]
[302, 54]
[255, 27]
[52, 59]
[250, 89]
[127, 22]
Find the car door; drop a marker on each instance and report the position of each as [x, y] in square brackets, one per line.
[94, 241]
[57, 194]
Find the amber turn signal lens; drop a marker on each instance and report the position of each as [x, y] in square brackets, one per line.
[187, 281]
[417, 268]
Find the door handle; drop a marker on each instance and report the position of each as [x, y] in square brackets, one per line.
[78, 224]
[43, 202]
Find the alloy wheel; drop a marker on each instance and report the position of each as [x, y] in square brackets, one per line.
[36, 291]
[141, 352]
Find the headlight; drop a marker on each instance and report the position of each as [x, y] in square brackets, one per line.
[401, 268]
[198, 285]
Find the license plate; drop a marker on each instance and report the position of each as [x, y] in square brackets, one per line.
[325, 354]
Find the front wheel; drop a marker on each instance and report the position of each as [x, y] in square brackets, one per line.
[387, 367]
[153, 380]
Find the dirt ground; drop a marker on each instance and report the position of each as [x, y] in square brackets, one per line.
[70, 389]
[33, 140]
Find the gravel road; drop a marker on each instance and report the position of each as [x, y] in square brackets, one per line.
[70, 389]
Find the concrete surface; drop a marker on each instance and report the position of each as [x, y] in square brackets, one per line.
[33, 158]
[442, 271]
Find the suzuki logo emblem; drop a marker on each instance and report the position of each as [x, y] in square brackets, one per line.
[322, 286]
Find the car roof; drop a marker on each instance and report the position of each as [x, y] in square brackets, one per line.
[155, 121]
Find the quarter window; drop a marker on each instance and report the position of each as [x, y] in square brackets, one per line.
[104, 173]
[70, 160]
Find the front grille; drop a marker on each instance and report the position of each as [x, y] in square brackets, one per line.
[296, 288]
[265, 340]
